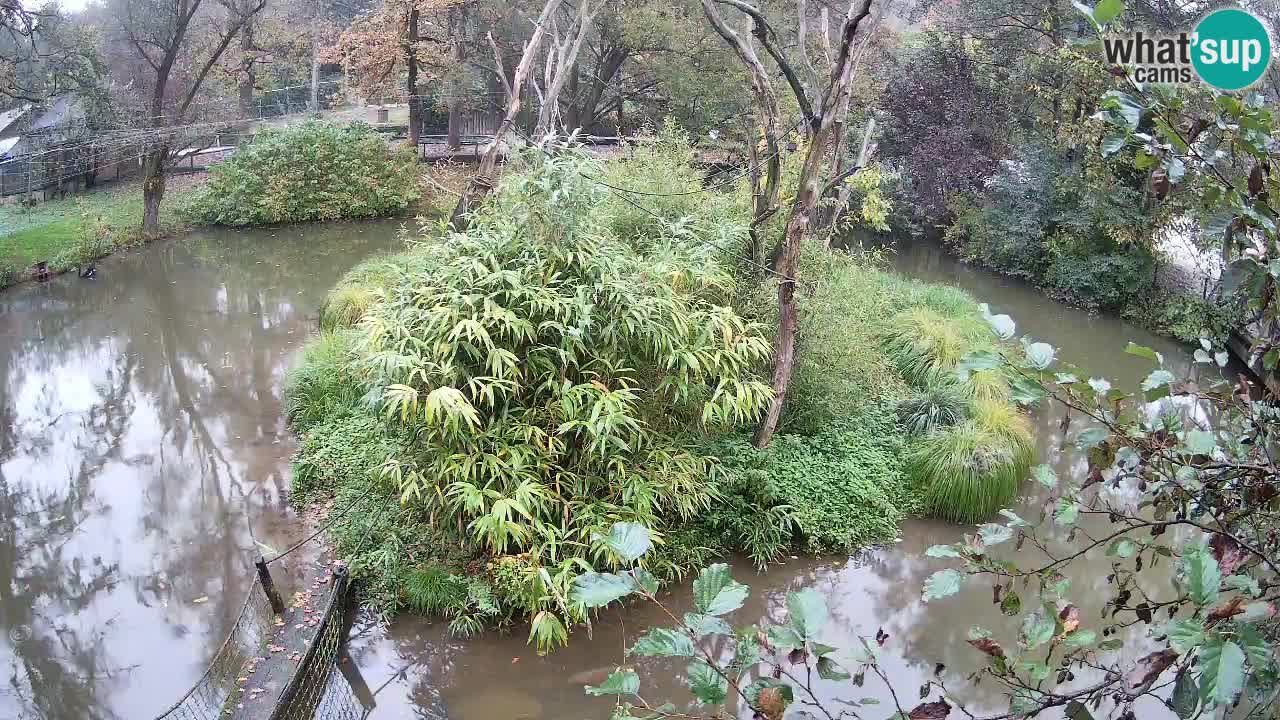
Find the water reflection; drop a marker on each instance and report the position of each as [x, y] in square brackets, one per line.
[427, 674]
[142, 450]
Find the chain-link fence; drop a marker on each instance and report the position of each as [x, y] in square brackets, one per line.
[211, 696]
[316, 688]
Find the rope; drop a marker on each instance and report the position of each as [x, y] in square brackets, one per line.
[328, 523]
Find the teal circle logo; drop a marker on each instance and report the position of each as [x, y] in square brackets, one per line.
[1231, 49]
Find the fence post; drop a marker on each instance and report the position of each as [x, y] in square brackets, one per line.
[269, 586]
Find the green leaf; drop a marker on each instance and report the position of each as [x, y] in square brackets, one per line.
[942, 551]
[1066, 512]
[1100, 386]
[1123, 104]
[663, 642]
[621, 682]
[1026, 391]
[1184, 634]
[599, 589]
[1080, 639]
[1221, 672]
[1091, 437]
[1011, 604]
[1114, 142]
[1015, 520]
[785, 637]
[785, 693]
[1038, 628]
[942, 584]
[1077, 710]
[1122, 547]
[705, 683]
[829, 669]
[1045, 475]
[1157, 379]
[707, 624]
[977, 360]
[1144, 352]
[1186, 696]
[645, 580]
[993, 534]
[1200, 442]
[1040, 355]
[807, 613]
[1202, 575]
[715, 592]
[1243, 583]
[629, 540]
[1107, 10]
[1002, 325]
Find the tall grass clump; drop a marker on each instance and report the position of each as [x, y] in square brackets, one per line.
[322, 386]
[940, 405]
[968, 472]
[926, 346]
[309, 171]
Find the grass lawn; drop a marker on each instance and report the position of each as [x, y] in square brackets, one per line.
[87, 224]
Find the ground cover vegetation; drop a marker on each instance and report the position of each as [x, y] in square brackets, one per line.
[72, 232]
[571, 362]
[1177, 499]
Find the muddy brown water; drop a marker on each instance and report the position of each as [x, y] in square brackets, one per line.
[141, 438]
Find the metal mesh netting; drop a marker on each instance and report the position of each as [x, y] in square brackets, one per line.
[208, 698]
[318, 688]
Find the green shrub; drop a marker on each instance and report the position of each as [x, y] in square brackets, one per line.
[309, 171]
[9, 273]
[322, 387]
[1187, 318]
[841, 489]
[1101, 280]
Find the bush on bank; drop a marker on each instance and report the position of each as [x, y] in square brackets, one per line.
[499, 400]
[307, 172]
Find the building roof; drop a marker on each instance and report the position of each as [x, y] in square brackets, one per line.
[9, 117]
[7, 144]
[63, 109]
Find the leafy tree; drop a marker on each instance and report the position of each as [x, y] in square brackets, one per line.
[173, 46]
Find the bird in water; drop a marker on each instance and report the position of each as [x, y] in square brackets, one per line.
[89, 271]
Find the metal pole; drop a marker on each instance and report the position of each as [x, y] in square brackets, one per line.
[269, 586]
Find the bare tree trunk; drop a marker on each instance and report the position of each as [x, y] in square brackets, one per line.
[483, 182]
[563, 57]
[830, 110]
[457, 53]
[152, 191]
[249, 75]
[411, 63]
[314, 101]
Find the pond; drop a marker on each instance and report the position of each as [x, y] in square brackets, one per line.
[144, 461]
